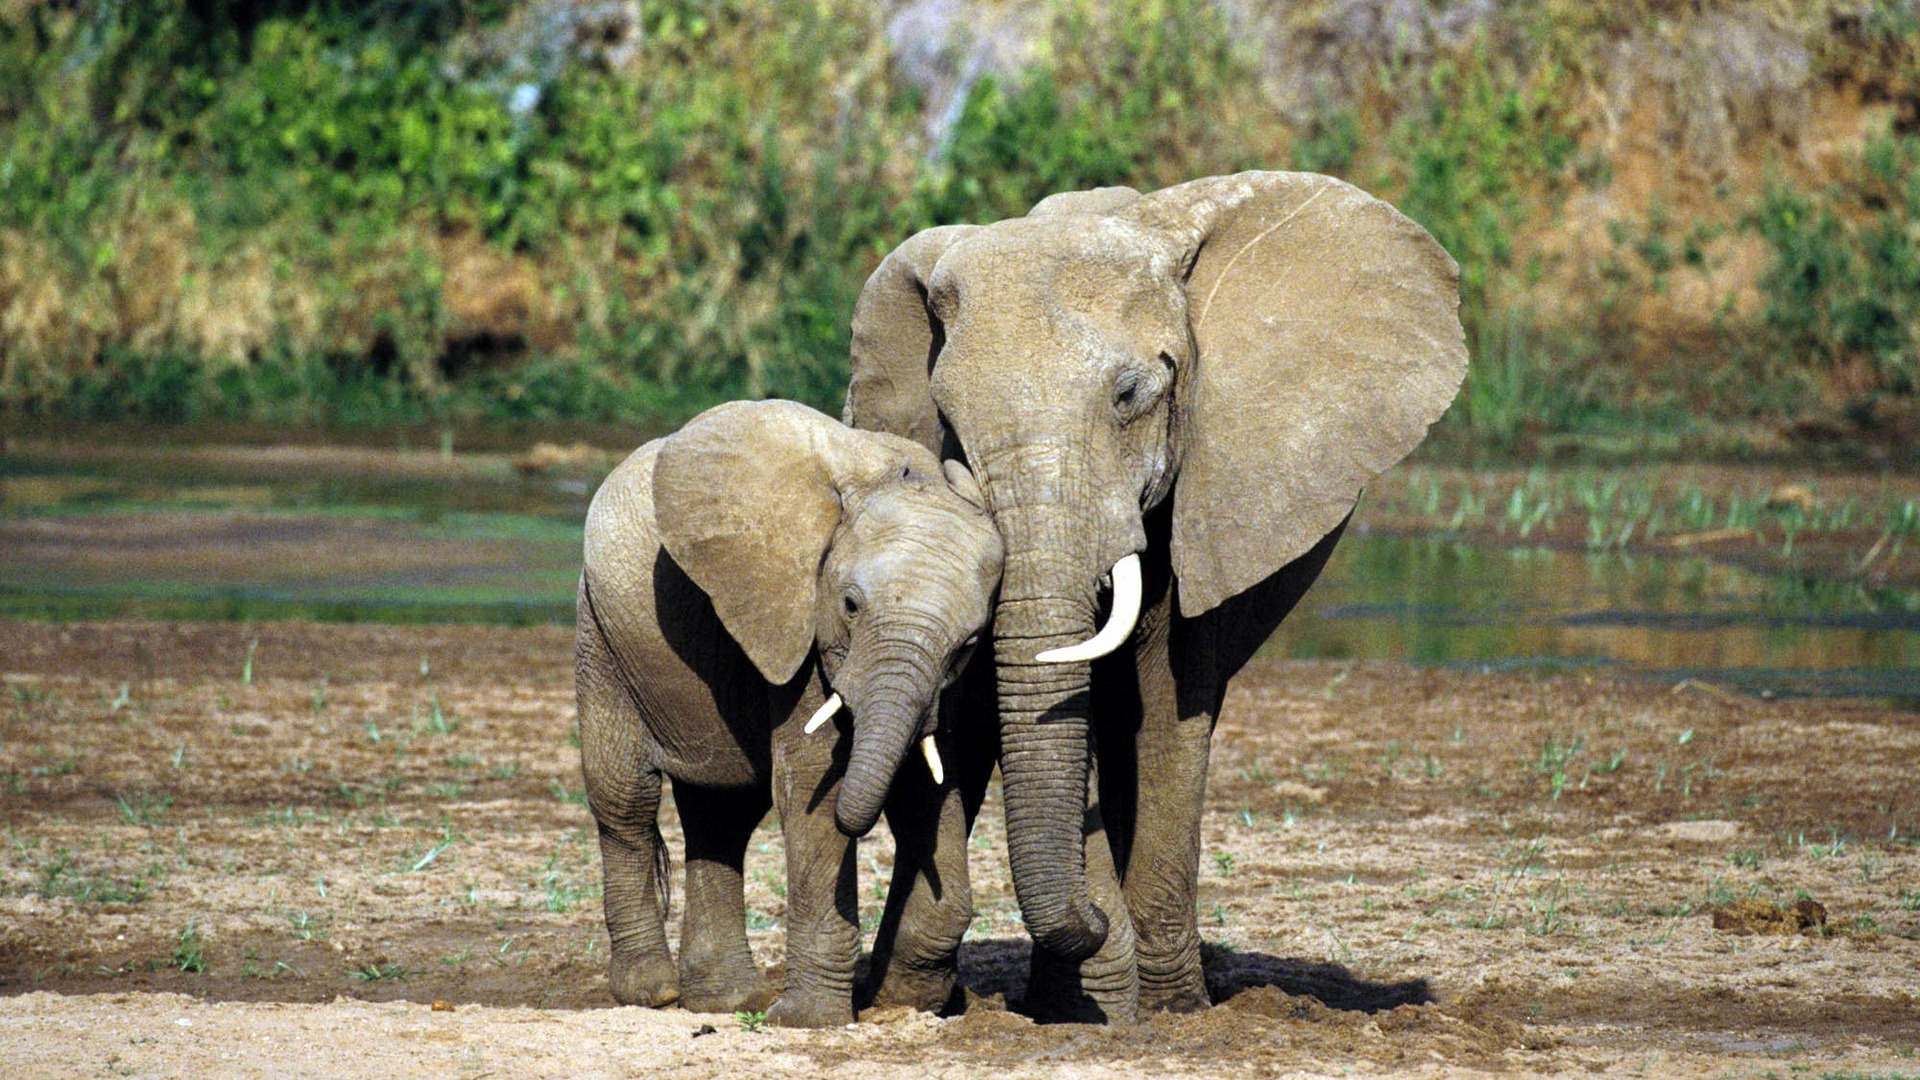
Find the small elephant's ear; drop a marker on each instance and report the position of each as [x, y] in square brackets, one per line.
[1327, 339]
[746, 499]
[895, 340]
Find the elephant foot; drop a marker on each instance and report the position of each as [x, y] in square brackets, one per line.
[1177, 984]
[1180, 998]
[804, 1009]
[730, 985]
[927, 991]
[1061, 992]
[644, 979]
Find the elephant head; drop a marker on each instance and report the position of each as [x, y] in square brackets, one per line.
[807, 534]
[1253, 347]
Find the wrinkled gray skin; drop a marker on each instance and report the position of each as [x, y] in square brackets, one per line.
[1204, 376]
[735, 571]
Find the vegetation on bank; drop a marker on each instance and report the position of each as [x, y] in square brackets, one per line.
[322, 213]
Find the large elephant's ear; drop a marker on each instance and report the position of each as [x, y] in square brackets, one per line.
[1100, 200]
[746, 499]
[895, 339]
[1327, 339]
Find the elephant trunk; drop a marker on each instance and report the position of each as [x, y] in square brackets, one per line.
[1046, 603]
[888, 717]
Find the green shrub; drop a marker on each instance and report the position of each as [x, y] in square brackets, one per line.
[1482, 139]
[1844, 284]
[299, 212]
[1148, 96]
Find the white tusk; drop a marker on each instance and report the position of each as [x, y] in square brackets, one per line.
[824, 714]
[932, 754]
[1126, 611]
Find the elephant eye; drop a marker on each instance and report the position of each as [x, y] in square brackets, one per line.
[850, 604]
[1134, 392]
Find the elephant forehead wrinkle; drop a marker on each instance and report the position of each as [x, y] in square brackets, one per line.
[960, 551]
[1068, 456]
[1045, 455]
[1082, 332]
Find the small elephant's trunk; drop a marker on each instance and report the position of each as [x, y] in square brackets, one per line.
[888, 718]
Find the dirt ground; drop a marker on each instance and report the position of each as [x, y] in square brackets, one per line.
[281, 849]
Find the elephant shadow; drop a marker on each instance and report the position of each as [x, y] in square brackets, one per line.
[997, 967]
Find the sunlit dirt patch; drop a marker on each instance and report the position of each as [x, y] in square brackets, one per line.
[1403, 869]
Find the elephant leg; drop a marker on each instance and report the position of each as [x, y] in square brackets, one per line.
[1162, 863]
[717, 969]
[929, 901]
[1105, 987]
[623, 792]
[823, 910]
[1181, 669]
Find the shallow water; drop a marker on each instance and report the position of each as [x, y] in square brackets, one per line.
[1444, 603]
[265, 537]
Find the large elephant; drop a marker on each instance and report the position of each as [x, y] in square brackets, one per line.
[1187, 388]
[744, 577]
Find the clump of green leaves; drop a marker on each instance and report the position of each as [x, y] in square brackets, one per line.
[1844, 285]
[187, 950]
[377, 971]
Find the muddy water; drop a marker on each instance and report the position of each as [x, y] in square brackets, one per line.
[334, 536]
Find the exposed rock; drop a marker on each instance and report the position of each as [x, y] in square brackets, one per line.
[1727, 77]
[522, 55]
[1318, 56]
[943, 47]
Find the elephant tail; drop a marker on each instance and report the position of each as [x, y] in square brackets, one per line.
[662, 872]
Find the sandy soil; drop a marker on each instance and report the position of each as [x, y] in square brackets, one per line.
[1406, 871]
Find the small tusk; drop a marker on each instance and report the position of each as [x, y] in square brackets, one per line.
[824, 714]
[932, 754]
[1126, 611]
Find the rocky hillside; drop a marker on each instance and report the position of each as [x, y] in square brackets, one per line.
[1683, 225]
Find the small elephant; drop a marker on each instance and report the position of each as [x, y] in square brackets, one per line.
[744, 578]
